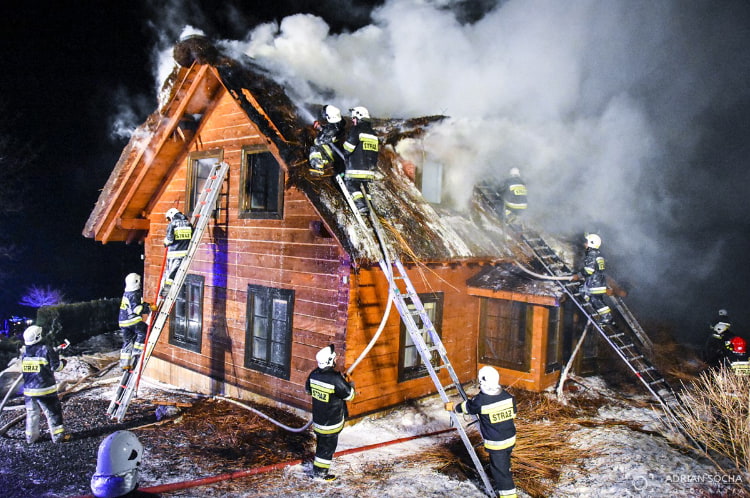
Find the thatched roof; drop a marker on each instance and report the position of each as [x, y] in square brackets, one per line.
[419, 230]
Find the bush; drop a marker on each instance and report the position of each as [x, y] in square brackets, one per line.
[78, 321]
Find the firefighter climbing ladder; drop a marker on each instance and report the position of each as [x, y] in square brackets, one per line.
[410, 307]
[621, 339]
[205, 204]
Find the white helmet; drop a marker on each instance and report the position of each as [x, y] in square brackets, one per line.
[32, 335]
[171, 212]
[132, 282]
[593, 241]
[326, 357]
[515, 172]
[719, 328]
[117, 465]
[332, 114]
[360, 113]
[489, 379]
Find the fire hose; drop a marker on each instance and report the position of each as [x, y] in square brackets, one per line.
[176, 486]
[543, 277]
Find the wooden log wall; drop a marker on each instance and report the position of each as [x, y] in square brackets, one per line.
[284, 254]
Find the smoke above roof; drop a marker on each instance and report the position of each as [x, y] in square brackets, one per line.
[617, 114]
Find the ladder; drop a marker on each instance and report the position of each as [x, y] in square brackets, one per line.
[410, 307]
[624, 339]
[204, 206]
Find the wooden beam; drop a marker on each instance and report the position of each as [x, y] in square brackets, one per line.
[133, 223]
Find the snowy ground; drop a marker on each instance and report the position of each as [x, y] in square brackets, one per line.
[628, 463]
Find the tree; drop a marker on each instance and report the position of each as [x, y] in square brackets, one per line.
[37, 297]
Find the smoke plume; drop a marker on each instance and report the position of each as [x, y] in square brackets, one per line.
[622, 117]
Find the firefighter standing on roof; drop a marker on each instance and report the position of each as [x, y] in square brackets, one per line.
[330, 392]
[39, 364]
[496, 409]
[330, 128]
[595, 284]
[133, 310]
[361, 150]
[177, 241]
[514, 196]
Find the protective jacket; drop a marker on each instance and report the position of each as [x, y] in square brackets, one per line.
[361, 148]
[330, 392]
[514, 193]
[179, 233]
[132, 307]
[39, 364]
[496, 413]
[593, 270]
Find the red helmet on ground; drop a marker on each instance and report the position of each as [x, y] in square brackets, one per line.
[738, 345]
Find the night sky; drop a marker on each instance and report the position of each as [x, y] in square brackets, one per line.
[649, 100]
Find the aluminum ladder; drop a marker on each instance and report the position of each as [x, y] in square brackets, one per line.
[624, 339]
[204, 206]
[410, 307]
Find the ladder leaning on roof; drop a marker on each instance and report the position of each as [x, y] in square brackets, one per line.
[622, 338]
[205, 204]
[410, 307]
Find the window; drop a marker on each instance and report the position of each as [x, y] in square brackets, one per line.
[261, 185]
[186, 320]
[410, 364]
[554, 349]
[505, 334]
[268, 330]
[199, 166]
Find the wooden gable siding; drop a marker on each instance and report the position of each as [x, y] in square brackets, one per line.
[376, 377]
[237, 252]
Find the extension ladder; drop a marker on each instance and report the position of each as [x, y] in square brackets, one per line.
[411, 309]
[623, 338]
[204, 206]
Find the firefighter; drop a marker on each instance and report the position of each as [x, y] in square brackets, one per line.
[133, 312]
[361, 151]
[330, 391]
[496, 409]
[716, 344]
[323, 153]
[514, 196]
[737, 357]
[595, 283]
[117, 466]
[177, 241]
[39, 363]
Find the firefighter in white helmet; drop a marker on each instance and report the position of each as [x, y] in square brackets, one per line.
[361, 150]
[177, 241]
[595, 283]
[715, 347]
[514, 196]
[39, 363]
[330, 391]
[133, 311]
[323, 153]
[117, 467]
[496, 409]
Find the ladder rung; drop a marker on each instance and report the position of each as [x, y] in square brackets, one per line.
[636, 358]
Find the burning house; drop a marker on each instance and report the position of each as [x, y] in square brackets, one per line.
[285, 269]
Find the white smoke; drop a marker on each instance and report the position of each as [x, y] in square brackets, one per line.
[598, 103]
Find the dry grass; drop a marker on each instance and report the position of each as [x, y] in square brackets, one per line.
[716, 412]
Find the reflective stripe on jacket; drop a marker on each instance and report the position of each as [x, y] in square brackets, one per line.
[38, 365]
[496, 413]
[330, 392]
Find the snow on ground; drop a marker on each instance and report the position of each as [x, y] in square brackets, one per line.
[626, 462]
